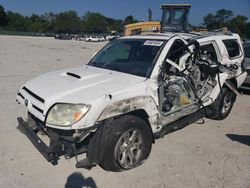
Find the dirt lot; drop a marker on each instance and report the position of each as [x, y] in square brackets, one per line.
[213, 154]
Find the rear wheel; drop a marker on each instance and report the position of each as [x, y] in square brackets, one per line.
[128, 145]
[223, 104]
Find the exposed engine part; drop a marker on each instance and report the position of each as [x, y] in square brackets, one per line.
[177, 94]
[166, 106]
[193, 81]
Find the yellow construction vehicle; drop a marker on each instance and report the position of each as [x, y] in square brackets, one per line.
[174, 19]
[141, 27]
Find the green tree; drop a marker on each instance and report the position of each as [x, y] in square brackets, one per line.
[222, 16]
[114, 25]
[67, 22]
[16, 22]
[94, 23]
[218, 20]
[238, 25]
[3, 17]
[50, 19]
[129, 20]
[37, 24]
[210, 22]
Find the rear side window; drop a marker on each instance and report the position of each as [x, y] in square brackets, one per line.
[209, 50]
[233, 48]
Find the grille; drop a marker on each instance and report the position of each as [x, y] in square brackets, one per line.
[33, 95]
[34, 103]
[38, 109]
[19, 94]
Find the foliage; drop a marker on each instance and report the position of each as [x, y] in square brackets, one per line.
[16, 22]
[129, 20]
[210, 22]
[3, 17]
[238, 25]
[67, 22]
[37, 24]
[93, 22]
[114, 25]
[64, 22]
[225, 18]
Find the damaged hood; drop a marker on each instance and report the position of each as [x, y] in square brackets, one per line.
[80, 84]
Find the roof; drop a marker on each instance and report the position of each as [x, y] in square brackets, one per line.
[168, 35]
[162, 36]
[156, 37]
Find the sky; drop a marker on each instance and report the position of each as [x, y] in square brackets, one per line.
[119, 9]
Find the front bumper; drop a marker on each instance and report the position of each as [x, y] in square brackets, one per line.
[57, 147]
[62, 143]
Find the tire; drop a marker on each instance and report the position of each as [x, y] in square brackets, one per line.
[223, 105]
[128, 145]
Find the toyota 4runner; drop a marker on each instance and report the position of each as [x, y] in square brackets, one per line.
[132, 91]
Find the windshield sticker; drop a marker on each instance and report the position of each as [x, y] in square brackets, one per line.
[152, 43]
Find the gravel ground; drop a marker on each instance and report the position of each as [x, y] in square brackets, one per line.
[213, 154]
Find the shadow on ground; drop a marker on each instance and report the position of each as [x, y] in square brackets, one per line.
[77, 180]
[243, 139]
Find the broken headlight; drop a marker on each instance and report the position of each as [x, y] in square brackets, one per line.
[66, 114]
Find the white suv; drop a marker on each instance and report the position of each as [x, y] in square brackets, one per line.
[132, 91]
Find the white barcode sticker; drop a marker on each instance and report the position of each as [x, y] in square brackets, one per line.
[152, 43]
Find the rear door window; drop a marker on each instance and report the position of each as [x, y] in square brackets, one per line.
[233, 48]
[210, 51]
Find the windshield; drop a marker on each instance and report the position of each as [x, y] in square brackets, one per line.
[132, 56]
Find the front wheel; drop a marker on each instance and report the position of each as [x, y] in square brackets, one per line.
[128, 145]
[223, 104]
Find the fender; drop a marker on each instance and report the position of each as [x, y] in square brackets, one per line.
[145, 103]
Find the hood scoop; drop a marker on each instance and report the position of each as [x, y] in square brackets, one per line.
[73, 75]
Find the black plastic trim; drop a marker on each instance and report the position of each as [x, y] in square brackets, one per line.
[38, 109]
[73, 75]
[46, 151]
[19, 94]
[33, 94]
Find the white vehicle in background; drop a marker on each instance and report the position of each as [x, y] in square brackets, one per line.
[113, 35]
[132, 91]
[100, 38]
[92, 39]
[82, 38]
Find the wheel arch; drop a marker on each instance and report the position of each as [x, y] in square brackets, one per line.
[142, 106]
[141, 113]
[120, 107]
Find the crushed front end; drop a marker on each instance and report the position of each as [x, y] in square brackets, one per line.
[63, 142]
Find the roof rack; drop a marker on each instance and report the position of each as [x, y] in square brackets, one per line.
[217, 32]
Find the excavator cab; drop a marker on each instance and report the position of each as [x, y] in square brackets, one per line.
[175, 18]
